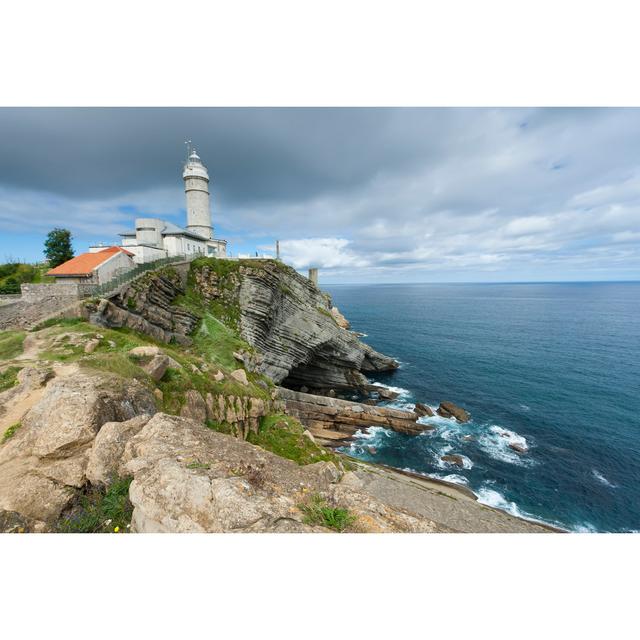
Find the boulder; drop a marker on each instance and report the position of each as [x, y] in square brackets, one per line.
[453, 459]
[518, 448]
[43, 465]
[158, 366]
[450, 410]
[91, 346]
[218, 376]
[387, 394]
[240, 375]
[422, 410]
[105, 455]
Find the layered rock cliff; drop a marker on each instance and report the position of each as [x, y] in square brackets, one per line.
[290, 322]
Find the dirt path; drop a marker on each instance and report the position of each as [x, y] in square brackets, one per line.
[18, 405]
[31, 348]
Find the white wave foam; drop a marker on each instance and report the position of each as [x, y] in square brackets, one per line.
[493, 498]
[525, 407]
[496, 442]
[399, 390]
[454, 478]
[602, 480]
[584, 527]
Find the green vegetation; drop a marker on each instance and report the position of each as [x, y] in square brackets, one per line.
[11, 344]
[318, 512]
[9, 378]
[283, 435]
[198, 465]
[58, 322]
[10, 432]
[57, 247]
[13, 274]
[101, 510]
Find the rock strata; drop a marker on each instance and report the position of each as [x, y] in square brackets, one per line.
[289, 321]
[332, 420]
[145, 306]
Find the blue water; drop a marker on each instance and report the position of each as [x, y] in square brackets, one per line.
[555, 367]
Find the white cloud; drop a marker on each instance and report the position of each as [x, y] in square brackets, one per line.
[328, 253]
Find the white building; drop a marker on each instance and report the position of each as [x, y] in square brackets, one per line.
[154, 239]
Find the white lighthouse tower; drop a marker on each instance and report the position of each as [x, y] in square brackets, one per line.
[196, 188]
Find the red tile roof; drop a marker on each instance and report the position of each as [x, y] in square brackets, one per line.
[85, 263]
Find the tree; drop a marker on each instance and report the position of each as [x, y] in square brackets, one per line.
[57, 247]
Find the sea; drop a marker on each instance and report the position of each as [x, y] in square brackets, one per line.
[551, 368]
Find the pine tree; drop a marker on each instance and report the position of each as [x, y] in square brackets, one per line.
[57, 247]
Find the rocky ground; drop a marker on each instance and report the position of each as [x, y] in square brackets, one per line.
[106, 428]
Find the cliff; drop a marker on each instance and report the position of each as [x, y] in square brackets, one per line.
[289, 321]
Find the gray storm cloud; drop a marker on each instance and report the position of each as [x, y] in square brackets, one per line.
[375, 192]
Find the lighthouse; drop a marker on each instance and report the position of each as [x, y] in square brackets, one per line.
[196, 188]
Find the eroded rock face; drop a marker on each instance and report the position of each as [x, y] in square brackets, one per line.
[43, 464]
[423, 410]
[289, 321]
[145, 306]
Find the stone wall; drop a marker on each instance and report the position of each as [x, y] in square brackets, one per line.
[39, 292]
[37, 303]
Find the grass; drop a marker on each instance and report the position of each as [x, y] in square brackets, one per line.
[11, 344]
[283, 435]
[9, 378]
[101, 510]
[317, 511]
[57, 322]
[10, 432]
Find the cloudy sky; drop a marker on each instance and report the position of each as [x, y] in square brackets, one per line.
[388, 195]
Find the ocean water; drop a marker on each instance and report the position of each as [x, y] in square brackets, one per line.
[552, 367]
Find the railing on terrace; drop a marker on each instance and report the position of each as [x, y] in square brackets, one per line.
[120, 279]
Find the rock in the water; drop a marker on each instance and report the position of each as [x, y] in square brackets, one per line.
[453, 459]
[386, 393]
[423, 410]
[450, 410]
[240, 375]
[519, 448]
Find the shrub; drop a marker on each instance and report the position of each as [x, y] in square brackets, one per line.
[8, 378]
[318, 512]
[101, 510]
[10, 432]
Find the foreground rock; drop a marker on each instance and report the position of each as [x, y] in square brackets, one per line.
[324, 416]
[43, 464]
[450, 410]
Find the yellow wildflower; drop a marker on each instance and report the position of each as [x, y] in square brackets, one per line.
[116, 530]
